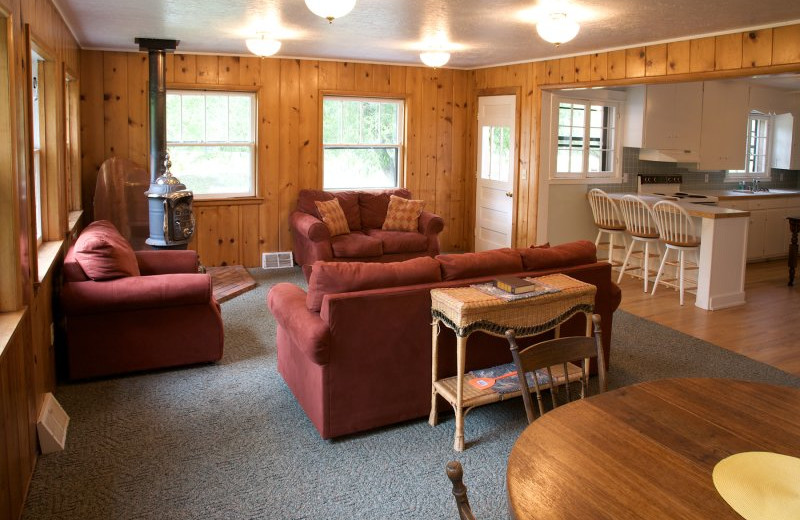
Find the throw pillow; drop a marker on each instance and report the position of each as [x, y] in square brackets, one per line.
[333, 216]
[104, 254]
[403, 214]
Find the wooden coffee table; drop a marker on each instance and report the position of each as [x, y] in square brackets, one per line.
[647, 450]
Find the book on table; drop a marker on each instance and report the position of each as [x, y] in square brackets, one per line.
[515, 284]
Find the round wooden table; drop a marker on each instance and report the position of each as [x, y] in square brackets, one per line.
[648, 450]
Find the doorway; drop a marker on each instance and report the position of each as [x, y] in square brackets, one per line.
[494, 191]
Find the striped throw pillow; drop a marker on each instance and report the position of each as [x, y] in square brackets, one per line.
[402, 214]
[333, 216]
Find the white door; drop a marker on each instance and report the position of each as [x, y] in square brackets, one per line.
[494, 201]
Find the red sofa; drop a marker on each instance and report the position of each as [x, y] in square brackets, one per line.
[367, 242]
[356, 349]
[128, 311]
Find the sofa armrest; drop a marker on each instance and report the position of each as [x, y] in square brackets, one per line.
[309, 226]
[136, 293]
[167, 262]
[430, 223]
[287, 302]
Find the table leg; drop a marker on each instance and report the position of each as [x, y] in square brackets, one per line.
[458, 442]
[794, 227]
[433, 419]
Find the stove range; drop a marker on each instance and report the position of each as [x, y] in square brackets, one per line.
[669, 187]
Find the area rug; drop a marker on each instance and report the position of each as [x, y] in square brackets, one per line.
[229, 441]
[229, 281]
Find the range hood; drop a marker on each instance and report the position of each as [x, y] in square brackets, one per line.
[670, 156]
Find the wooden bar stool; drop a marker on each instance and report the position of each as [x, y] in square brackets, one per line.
[643, 231]
[678, 232]
[608, 220]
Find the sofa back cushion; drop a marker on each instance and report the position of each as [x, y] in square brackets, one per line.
[348, 200]
[562, 255]
[483, 263]
[374, 204]
[104, 254]
[341, 277]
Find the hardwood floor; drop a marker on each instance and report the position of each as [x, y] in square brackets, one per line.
[766, 328]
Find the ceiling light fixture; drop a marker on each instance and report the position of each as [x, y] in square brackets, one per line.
[262, 46]
[435, 58]
[330, 9]
[557, 28]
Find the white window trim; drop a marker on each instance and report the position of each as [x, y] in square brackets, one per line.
[400, 146]
[252, 144]
[606, 98]
[739, 175]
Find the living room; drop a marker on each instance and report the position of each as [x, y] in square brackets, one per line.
[107, 115]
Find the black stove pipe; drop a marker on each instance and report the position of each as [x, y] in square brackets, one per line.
[157, 59]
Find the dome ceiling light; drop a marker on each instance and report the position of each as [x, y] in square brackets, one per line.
[330, 9]
[262, 46]
[557, 28]
[434, 58]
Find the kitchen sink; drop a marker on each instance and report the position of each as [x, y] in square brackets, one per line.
[764, 190]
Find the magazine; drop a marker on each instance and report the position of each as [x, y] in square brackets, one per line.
[489, 288]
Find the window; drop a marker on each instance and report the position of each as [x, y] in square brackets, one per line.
[362, 142]
[759, 139]
[585, 137]
[211, 140]
[37, 118]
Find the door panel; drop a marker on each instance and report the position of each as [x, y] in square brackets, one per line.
[495, 175]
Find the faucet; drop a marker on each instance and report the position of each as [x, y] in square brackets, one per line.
[755, 185]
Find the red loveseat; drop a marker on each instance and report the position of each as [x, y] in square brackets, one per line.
[365, 212]
[356, 349]
[128, 311]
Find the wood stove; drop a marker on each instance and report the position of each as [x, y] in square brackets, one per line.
[169, 202]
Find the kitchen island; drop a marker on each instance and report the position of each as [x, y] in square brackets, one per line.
[723, 252]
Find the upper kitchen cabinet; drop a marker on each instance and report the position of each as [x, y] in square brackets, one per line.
[783, 130]
[664, 121]
[723, 139]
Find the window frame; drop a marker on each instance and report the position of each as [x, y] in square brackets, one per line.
[400, 101]
[252, 144]
[585, 176]
[746, 173]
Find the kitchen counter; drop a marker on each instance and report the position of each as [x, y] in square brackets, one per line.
[722, 256]
[738, 195]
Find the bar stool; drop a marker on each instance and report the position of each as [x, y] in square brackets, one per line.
[608, 221]
[643, 230]
[678, 232]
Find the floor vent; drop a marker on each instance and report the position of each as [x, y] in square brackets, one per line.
[277, 260]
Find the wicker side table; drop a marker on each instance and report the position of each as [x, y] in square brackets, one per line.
[466, 310]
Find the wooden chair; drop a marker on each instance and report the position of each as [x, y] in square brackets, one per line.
[559, 351]
[455, 473]
[678, 232]
[609, 222]
[643, 231]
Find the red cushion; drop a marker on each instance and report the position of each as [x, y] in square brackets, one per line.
[341, 277]
[348, 200]
[471, 265]
[104, 254]
[562, 255]
[400, 241]
[374, 204]
[356, 245]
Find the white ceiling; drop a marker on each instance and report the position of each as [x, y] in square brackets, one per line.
[482, 32]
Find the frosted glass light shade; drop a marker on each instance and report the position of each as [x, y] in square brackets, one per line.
[557, 28]
[263, 46]
[330, 9]
[434, 58]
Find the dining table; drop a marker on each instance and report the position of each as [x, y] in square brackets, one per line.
[649, 450]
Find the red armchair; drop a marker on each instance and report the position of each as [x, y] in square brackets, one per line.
[129, 311]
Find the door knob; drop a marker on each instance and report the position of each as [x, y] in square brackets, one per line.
[509, 194]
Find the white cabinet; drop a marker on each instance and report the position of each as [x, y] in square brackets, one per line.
[768, 235]
[782, 128]
[723, 135]
[666, 118]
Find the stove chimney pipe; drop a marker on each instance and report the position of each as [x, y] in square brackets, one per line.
[157, 60]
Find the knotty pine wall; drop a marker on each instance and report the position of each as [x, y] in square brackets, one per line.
[27, 363]
[114, 115]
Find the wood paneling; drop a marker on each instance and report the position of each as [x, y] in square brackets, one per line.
[757, 48]
[599, 64]
[786, 44]
[635, 62]
[289, 148]
[702, 54]
[728, 52]
[655, 60]
[678, 57]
